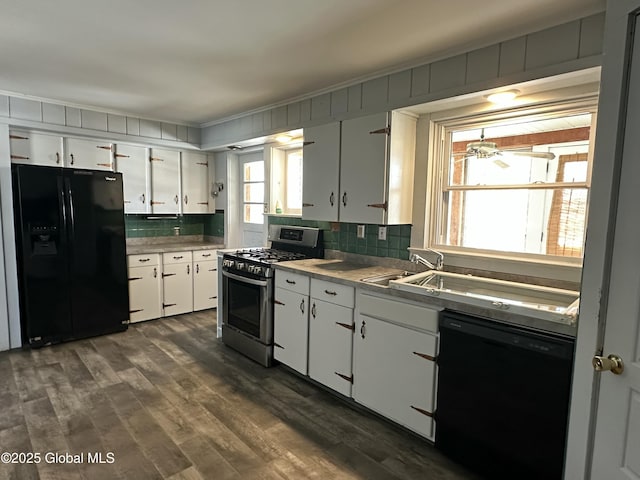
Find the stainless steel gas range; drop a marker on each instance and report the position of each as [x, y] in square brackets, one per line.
[247, 288]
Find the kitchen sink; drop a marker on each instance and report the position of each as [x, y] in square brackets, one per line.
[543, 302]
[385, 278]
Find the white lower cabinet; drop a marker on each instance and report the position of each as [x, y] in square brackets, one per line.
[291, 320]
[177, 283]
[145, 287]
[394, 353]
[331, 335]
[205, 280]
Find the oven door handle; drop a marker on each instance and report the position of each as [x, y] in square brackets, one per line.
[250, 281]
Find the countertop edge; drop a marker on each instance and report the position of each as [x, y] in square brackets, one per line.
[179, 247]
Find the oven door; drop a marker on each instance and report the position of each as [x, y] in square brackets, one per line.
[247, 306]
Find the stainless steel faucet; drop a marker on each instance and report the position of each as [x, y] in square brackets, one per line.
[439, 263]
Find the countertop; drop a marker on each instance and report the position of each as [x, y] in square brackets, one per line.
[347, 273]
[172, 247]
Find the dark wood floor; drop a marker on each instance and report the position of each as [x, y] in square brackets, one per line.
[169, 400]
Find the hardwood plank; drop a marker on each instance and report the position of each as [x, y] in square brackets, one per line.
[16, 439]
[206, 459]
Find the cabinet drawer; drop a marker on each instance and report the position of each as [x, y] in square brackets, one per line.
[204, 255]
[333, 292]
[176, 257]
[143, 260]
[292, 281]
[399, 312]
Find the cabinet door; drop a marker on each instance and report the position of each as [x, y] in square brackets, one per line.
[145, 300]
[363, 169]
[205, 284]
[330, 345]
[35, 148]
[177, 288]
[195, 182]
[132, 163]
[165, 181]
[291, 328]
[91, 154]
[394, 372]
[320, 172]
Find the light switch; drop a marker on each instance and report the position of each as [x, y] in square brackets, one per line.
[382, 233]
[360, 231]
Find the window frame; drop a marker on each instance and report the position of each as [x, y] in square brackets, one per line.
[436, 218]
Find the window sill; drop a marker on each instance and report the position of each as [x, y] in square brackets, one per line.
[283, 215]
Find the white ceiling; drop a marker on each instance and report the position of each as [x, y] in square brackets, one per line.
[201, 60]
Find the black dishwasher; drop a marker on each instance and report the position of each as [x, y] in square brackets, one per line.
[503, 397]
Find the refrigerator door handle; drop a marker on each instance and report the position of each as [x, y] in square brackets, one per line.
[71, 209]
[63, 210]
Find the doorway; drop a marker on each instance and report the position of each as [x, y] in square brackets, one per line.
[251, 199]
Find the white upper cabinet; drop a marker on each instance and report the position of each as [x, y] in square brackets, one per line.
[91, 154]
[195, 182]
[165, 181]
[360, 170]
[35, 148]
[131, 161]
[321, 172]
[376, 168]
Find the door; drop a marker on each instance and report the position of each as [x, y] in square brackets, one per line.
[91, 154]
[195, 182]
[165, 181]
[40, 221]
[98, 260]
[205, 284]
[252, 199]
[363, 169]
[330, 345]
[291, 328]
[144, 293]
[131, 161]
[177, 288]
[616, 453]
[321, 172]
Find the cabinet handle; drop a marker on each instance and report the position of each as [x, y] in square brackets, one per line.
[313, 310]
[344, 199]
[348, 326]
[19, 157]
[204, 164]
[329, 292]
[362, 328]
[203, 203]
[302, 306]
[197, 268]
[135, 278]
[347, 378]
[186, 199]
[177, 257]
[308, 205]
[155, 272]
[278, 302]
[143, 260]
[331, 198]
[168, 275]
[422, 411]
[72, 159]
[304, 144]
[57, 157]
[206, 255]
[188, 269]
[121, 155]
[213, 269]
[142, 198]
[379, 205]
[212, 298]
[290, 282]
[175, 199]
[425, 356]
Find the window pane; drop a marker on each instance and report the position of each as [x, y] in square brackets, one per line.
[254, 171]
[253, 213]
[254, 192]
[294, 180]
[524, 221]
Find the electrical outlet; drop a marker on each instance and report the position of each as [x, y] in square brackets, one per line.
[382, 233]
[360, 231]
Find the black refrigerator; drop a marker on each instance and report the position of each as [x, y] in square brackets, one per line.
[72, 263]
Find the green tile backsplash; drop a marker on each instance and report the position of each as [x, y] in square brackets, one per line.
[346, 239]
[207, 224]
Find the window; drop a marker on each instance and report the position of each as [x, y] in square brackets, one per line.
[253, 188]
[515, 186]
[286, 181]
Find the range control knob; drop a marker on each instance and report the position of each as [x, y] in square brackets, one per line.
[257, 270]
[241, 265]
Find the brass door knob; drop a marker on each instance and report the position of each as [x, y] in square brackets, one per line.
[611, 363]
